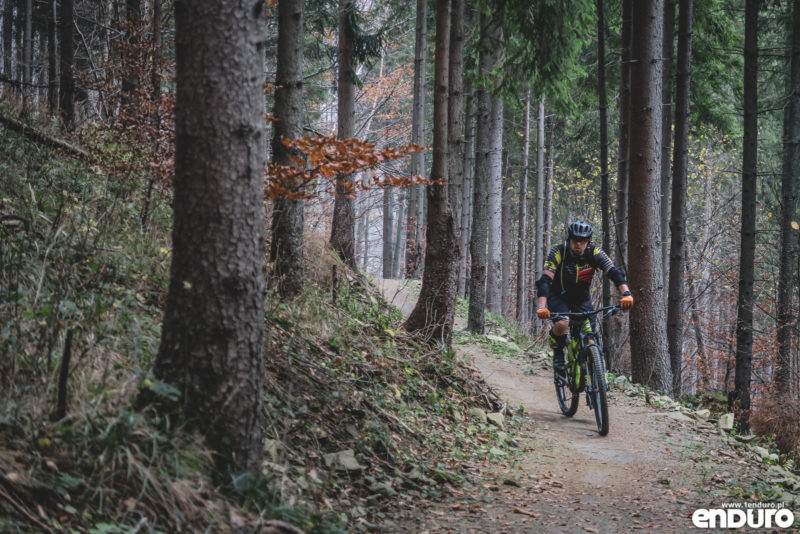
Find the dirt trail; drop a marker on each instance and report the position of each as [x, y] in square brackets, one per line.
[649, 474]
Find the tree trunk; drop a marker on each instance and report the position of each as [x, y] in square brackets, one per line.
[679, 183]
[549, 181]
[467, 191]
[212, 337]
[435, 309]
[8, 28]
[27, 53]
[649, 356]
[739, 398]
[398, 261]
[623, 174]
[791, 168]
[522, 253]
[483, 160]
[52, 57]
[455, 114]
[668, 46]
[605, 200]
[130, 81]
[494, 272]
[702, 361]
[623, 164]
[505, 248]
[541, 248]
[67, 87]
[415, 202]
[286, 247]
[343, 227]
[388, 226]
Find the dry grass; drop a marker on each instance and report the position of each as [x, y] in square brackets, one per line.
[780, 419]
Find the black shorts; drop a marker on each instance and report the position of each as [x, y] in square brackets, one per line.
[557, 304]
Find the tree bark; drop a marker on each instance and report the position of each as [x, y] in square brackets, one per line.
[8, 19]
[343, 226]
[791, 168]
[739, 398]
[415, 200]
[212, 336]
[483, 161]
[388, 226]
[522, 252]
[467, 191]
[605, 200]
[623, 164]
[52, 57]
[398, 263]
[67, 87]
[668, 47]
[435, 309]
[27, 53]
[286, 247]
[679, 182]
[495, 207]
[649, 356]
[505, 241]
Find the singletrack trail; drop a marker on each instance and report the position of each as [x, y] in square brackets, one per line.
[649, 474]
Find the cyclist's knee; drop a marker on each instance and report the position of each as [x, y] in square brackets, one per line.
[560, 327]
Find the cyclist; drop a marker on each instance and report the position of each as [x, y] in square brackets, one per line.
[566, 280]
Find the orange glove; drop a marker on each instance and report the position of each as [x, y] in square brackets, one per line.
[543, 313]
[626, 302]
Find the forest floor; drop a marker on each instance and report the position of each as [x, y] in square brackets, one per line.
[651, 472]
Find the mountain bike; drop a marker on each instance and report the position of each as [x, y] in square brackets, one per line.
[586, 368]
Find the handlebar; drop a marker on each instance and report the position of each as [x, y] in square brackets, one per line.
[584, 315]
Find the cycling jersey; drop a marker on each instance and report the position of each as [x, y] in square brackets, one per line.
[573, 276]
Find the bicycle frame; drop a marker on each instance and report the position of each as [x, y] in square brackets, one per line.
[583, 334]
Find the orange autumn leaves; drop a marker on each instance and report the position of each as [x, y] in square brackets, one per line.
[327, 162]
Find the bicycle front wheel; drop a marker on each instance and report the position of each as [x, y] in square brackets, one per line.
[567, 392]
[599, 389]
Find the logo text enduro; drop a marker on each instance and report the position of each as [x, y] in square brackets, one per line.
[736, 517]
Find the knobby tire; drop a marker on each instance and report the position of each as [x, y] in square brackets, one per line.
[567, 393]
[600, 387]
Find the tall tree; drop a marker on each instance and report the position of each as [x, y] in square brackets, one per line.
[605, 201]
[52, 56]
[522, 252]
[435, 309]
[343, 226]
[8, 19]
[27, 51]
[623, 165]
[623, 173]
[415, 198]
[649, 357]
[212, 336]
[739, 398]
[668, 50]
[286, 248]
[490, 32]
[505, 240]
[388, 226]
[66, 98]
[680, 170]
[494, 263]
[467, 189]
[790, 171]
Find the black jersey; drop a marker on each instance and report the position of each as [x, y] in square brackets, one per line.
[573, 276]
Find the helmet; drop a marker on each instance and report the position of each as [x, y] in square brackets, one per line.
[580, 229]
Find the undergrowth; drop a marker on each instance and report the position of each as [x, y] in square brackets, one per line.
[359, 417]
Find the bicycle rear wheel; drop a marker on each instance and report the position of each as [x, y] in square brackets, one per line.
[567, 392]
[599, 388]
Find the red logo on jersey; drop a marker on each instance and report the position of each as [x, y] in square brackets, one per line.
[586, 275]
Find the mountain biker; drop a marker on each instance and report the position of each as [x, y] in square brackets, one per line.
[566, 281]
